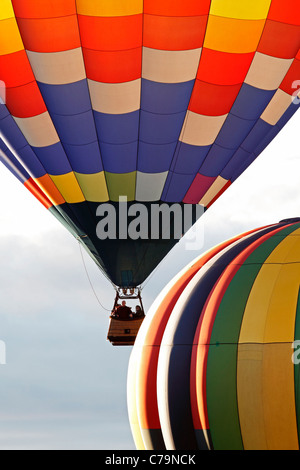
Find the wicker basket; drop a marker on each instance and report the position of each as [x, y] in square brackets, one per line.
[123, 332]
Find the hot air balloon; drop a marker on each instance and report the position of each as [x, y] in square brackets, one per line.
[216, 362]
[149, 103]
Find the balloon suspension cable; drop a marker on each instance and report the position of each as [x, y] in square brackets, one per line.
[87, 274]
[129, 293]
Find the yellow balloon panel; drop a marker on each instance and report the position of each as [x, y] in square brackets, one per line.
[246, 9]
[10, 39]
[232, 35]
[68, 186]
[6, 10]
[265, 379]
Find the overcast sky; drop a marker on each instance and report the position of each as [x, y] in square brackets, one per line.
[63, 385]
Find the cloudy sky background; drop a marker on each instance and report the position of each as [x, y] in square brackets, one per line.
[63, 385]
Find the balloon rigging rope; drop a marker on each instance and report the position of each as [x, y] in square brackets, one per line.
[87, 274]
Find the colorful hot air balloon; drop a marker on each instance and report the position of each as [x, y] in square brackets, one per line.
[216, 362]
[157, 101]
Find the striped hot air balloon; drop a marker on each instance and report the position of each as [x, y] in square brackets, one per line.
[157, 101]
[216, 362]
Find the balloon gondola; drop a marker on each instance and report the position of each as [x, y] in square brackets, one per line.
[123, 329]
[155, 102]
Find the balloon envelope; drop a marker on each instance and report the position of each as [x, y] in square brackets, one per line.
[157, 101]
[216, 362]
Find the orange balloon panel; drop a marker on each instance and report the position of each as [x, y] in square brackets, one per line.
[50, 34]
[15, 69]
[174, 33]
[25, 100]
[213, 100]
[288, 84]
[113, 67]
[285, 12]
[280, 40]
[44, 9]
[223, 68]
[176, 7]
[111, 34]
